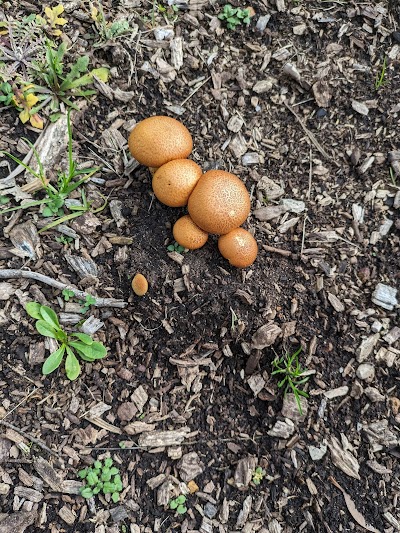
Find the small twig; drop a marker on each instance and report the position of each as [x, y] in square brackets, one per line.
[18, 404]
[195, 91]
[310, 176]
[27, 274]
[285, 253]
[309, 133]
[303, 236]
[30, 438]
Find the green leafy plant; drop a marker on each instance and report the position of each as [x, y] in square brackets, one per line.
[64, 239]
[67, 294]
[170, 13]
[6, 93]
[234, 16]
[60, 86]
[258, 475]
[52, 20]
[19, 47]
[56, 195]
[289, 367]
[178, 504]
[106, 30]
[380, 77]
[101, 477]
[69, 343]
[87, 303]
[176, 248]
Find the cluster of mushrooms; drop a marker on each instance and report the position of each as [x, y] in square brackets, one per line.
[217, 201]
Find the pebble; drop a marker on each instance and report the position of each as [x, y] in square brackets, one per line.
[262, 23]
[385, 296]
[360, 107]
[321, 113]
[317, 453]
[366, 371]
[210, 510]
[376, 326]
[294, 206]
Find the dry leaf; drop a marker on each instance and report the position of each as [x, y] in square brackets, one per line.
[358, 517]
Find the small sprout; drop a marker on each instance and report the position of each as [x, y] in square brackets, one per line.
[380, 77]
[64, 239]
[234, 16]
[101, 477]
[67, 294]
[293, 375]
[87, 303]
[178, 504]
[258, 475]
[176, 248]
[234, 319]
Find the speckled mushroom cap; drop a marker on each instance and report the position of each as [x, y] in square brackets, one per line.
[239, 247]
[156, 140]
[219, 202]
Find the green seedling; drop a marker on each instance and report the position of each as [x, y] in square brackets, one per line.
[178, 504]
[101, 477]
[67, 182]
[67, 294]
[106, 30]
[4, 200]
[170, 13]
[392, 177]
[258, 475]
[87, 303]
[176, 248]
[64, 239]
[6, 93]
[60, 87]
[234, 319]
[69, 343]
[289, 367]
[380, 77]
[234, 16]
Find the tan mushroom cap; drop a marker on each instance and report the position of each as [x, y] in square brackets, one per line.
[156, 140]
[239, 247]
[174, 182]
[188, 235]
[140, 285]
[219, 202]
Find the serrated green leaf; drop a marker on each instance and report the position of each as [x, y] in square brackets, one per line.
[53, 361]
[115, 497]
[98, 464]
[33, 310]
[83, 473]
[108, 462]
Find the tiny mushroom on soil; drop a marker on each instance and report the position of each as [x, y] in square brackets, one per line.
[140, 285]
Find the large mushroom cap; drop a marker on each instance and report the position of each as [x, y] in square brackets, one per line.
[156, 140]
[219, 202]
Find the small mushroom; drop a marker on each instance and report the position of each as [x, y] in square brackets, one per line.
[239, 247]
[140, 285]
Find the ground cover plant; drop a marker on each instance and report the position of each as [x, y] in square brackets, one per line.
[301, 104]
[71, 344]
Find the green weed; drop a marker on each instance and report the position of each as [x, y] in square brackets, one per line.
[234, 16]
[258, 475]
[380, 77]
[176, 248]
[105, 29]
[289, 367]
[83, 345]
[101, 477]
[178, 504]
[67, 182]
